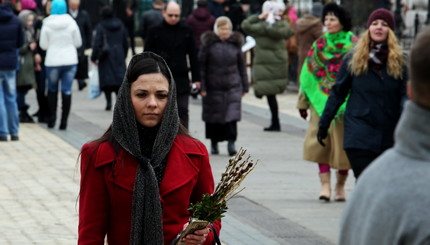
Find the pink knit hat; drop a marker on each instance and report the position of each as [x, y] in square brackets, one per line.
[28, 4]
[382, 14]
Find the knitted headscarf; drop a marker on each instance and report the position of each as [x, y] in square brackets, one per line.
[321, 65]
[146, 227]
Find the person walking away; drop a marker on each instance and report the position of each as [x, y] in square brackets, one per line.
[26, 79]
[224, 82]
[125, 10]
[9, 119]
[111, 64]
[140, 176]
[374, 77]
[308, 29]
[174, 41]
[83, 20]
[60, 37]
[398, 214]
[271, 59]
[318, 76]
[151, 18]
[201, 20]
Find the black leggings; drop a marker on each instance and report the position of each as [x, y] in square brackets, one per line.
[360, 159]
[273, 105]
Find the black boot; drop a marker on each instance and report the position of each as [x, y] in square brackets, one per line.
[43, 112]
[108, 95]
[52, 105]
[81, 84]
[66, 100]
[275, 126]
[231, 148]
[214, 147]
[24, 117]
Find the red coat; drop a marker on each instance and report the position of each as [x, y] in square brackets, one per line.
[106, 192]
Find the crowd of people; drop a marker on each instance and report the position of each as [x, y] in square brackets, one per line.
[352, 88]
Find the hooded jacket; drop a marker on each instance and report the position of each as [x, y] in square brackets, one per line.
[111, 69]
[200, 20]
[10, 24]
[60, 37]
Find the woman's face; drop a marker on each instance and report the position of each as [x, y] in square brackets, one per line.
[224, 31]
[378, 30]
[332, 23]
[149, 96]
[30, 21]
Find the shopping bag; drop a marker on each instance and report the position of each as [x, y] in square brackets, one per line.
[94, 90]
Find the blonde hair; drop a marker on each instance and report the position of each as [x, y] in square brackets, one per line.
[360, 59]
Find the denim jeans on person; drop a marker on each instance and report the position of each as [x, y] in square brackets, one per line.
[64, 73]
[9, 118]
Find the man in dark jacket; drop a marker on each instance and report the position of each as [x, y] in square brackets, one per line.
[84, 22]
[151, 18]
[10, 41]
[174, 41]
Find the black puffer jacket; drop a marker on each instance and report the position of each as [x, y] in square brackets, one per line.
[112, 68]
[224, 77]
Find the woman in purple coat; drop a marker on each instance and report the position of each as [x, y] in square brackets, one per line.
[223, 83]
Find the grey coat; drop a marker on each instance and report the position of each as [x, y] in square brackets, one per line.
[390, 204]
[223, 77]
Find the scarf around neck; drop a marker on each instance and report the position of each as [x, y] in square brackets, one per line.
[146, 227]
[378, 55]
[321, 65]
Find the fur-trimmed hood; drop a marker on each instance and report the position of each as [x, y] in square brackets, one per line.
[209, 37]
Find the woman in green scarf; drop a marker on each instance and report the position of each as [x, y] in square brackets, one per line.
[317, 77]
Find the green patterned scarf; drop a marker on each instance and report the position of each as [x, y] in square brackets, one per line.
[321, 65]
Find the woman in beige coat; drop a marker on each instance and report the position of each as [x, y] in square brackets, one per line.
[317, 76]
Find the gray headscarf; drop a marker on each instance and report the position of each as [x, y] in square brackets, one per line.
[146, 227]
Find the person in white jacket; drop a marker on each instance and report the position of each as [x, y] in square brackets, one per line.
[60, 37]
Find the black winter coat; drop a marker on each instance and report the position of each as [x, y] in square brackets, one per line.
[373, 108]
[84, 22]
[112, 68]
[224, 77]
[174, 43]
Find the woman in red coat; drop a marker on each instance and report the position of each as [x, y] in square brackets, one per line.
[139, 178]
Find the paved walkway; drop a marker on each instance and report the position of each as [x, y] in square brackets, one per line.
[39, 178]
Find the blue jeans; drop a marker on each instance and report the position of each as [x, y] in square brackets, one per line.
[64, 73]
[9, 118]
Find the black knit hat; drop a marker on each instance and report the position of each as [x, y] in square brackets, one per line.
[382, 14]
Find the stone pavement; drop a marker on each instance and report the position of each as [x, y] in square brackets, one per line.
[39, 178]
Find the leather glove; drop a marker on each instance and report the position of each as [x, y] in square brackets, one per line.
[322, 134]
[303, 113]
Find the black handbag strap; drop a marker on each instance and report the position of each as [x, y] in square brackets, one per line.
[216, 237]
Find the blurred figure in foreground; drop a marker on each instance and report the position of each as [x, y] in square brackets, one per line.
[390, 203]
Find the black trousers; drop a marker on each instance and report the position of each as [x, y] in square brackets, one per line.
[360, 159]
[183, 100]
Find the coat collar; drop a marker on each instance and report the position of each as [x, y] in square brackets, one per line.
[182, 162]
[412, 132]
